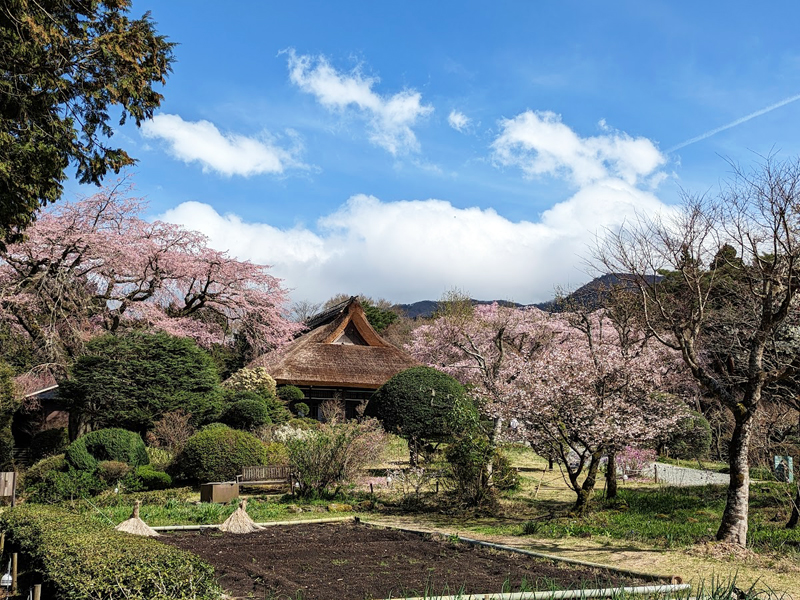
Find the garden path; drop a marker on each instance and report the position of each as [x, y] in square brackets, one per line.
[684, 476]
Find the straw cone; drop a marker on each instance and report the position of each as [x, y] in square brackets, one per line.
[240, 521]
[135, 525]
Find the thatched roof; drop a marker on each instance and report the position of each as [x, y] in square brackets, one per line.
[341, 349]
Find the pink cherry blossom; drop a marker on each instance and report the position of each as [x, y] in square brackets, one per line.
[96, 265]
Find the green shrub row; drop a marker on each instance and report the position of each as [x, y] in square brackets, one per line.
[76, 558]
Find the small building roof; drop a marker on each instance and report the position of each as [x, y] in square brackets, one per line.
[341, 349]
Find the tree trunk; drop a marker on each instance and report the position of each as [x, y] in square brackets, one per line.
[493, 437]
[77, 425]
[733, 528]
[793, 520]
[585, 490]
[611, 476]
[413, 453]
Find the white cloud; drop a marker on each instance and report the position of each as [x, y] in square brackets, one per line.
[226, 153]
[540, 144]
[417, 249]
[414, 250]
[391, 118]
[458, 120]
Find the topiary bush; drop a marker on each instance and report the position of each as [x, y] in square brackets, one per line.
[276, 408]
[301, 409]
[218, 453]
[247, 414]
[290, 393]
[107, 444]
[75, 557]
[133, 379]
[423, 405]
[147, 478]
[48, 442]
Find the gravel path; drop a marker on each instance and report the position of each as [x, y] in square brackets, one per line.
[683, 476]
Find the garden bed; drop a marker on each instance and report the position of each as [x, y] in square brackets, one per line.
[350, 560]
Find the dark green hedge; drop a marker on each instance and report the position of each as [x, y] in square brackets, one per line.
[77, 558]
[218, 453]
[107, 444]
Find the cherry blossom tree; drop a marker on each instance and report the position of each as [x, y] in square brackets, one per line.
[591, 392]
[96, 266]
[578, 386]
[487, 347]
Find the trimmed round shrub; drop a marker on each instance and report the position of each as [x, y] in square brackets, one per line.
[218, 453]
[107, 444]
[301, 409]
[152, 479]
[423, 405]
[48, 442]
[291, 393]
[78, 557]
[691, 437]
[247, 414]
[276, 408]
[132, 380]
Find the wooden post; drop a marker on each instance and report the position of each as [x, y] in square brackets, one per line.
[2, 543]
[14, 490]
[37, 592]
[14, 574]
[655, 472]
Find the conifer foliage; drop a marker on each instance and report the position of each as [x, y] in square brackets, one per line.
[63, 66]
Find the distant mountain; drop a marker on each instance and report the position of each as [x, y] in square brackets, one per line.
[425, 308]
[590, 295]
[587, 296]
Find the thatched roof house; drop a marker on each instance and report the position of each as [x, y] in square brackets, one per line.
[339, 357]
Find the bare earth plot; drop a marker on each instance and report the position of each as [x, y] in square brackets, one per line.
[693, 565]
[347, 560]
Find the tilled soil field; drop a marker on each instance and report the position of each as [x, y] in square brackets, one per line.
[335, 561]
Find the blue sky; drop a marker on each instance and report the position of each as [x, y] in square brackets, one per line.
[403, 149]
